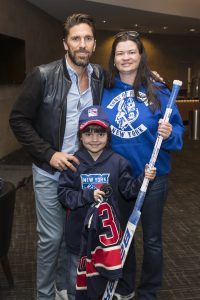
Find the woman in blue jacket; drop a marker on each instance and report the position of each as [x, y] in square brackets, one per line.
[136, 105]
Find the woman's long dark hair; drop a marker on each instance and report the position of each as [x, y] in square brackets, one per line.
[144, 76]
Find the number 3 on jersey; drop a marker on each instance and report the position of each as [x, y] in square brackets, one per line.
[112, 232]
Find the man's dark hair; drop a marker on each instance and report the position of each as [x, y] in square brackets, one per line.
[77, 19]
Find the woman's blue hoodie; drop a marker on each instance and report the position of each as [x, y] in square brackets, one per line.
[134, 126]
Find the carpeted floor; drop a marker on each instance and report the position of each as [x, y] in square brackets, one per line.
[22, 253]
[181, 234]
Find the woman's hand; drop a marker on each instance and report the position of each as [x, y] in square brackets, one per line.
[98, 194]
[150, 173]
[164, 129]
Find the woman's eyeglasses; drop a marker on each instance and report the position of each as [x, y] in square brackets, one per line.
[130, 33]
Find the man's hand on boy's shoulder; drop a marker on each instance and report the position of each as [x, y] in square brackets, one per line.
[62, 161]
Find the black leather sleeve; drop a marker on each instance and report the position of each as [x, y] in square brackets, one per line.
[24, 113]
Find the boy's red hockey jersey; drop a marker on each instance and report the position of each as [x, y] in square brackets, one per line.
[100, 254]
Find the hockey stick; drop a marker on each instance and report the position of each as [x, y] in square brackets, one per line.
[135, 215]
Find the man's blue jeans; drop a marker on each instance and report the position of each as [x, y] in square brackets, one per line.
[51, 249]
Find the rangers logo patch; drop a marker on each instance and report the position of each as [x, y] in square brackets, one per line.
[94, 181]
[93, 112]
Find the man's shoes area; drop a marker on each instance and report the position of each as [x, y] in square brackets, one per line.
[61, 295]
[121, 297]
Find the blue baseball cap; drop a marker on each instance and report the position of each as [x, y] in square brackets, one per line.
[93, 115]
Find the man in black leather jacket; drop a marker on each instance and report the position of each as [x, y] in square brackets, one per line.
[45, 121]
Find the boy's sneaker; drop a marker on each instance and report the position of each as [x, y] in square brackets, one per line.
[121, 297]
[61, 295]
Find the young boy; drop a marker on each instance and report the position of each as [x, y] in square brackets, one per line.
[77, 191]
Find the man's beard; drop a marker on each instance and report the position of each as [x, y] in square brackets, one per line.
[80, 62]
